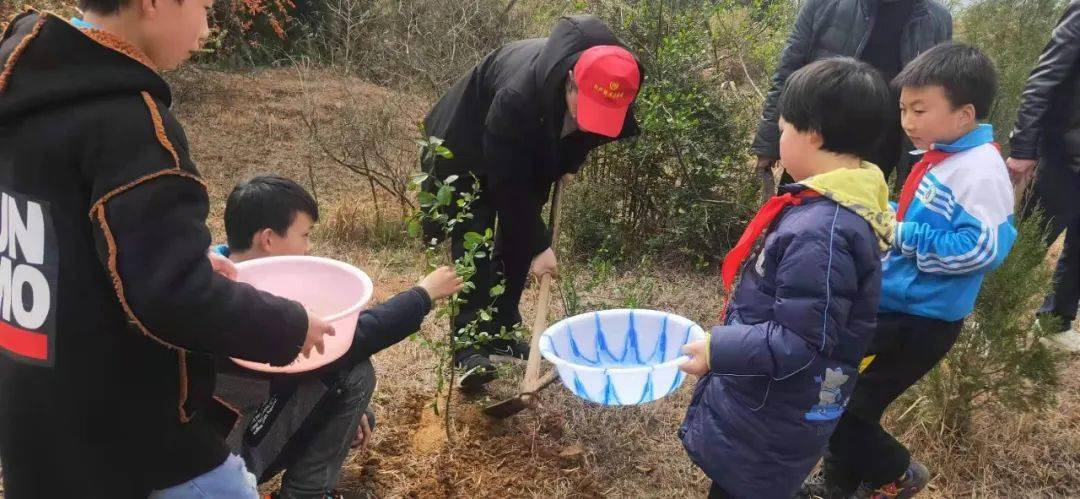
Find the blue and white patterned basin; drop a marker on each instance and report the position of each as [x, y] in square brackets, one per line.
[620, 357]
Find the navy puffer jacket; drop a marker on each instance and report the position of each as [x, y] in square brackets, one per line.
[785, 362]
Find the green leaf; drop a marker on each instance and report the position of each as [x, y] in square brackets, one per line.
[425, 198]
[419, 177]
[444, 152]
[497, 290]
[451, 179]
[413, 227]
[445, 195]
[474, 238]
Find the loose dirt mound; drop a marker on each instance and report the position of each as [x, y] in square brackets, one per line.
[486, 459]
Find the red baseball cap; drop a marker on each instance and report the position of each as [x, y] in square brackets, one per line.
[607, 77]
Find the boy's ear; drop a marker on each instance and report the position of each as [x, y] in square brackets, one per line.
[967, 112]
[262, 240]
[816, 139]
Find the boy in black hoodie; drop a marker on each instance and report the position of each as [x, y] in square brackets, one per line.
[304, 423]
[526, 115]
[110, 310]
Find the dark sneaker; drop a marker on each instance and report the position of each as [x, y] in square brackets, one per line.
[479, 370]
[510, 348]
[914, 480]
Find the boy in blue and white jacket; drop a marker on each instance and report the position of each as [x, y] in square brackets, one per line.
[954, 225]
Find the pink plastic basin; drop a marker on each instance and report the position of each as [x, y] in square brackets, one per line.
[333, 290]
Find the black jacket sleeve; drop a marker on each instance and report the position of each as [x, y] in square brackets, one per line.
[1054, 66]
[794, 56]
[514, 188]
[383, 325]
[149, 216]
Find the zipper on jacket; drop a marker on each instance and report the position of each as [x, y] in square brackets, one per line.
[871, 20]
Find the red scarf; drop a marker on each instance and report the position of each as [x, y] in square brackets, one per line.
[911, 185]
[734, 259]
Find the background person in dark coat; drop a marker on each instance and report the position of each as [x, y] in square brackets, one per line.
[526, 115]
[1048, 132]
[887, 34]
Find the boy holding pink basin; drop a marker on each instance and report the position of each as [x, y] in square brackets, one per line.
[304, 424]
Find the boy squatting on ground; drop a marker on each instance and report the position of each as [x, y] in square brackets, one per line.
[107, 365]
[304, 423]
[954, 225]
[804, 282]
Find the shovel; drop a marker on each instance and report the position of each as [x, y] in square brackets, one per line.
[533, 383]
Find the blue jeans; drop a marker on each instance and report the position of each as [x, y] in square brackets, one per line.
[231, 479]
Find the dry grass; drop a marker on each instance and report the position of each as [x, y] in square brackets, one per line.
[240, 125]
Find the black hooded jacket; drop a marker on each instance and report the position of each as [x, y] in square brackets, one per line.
[504, 119]
[108, 304]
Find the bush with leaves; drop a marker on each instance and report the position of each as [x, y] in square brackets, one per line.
[447, 208]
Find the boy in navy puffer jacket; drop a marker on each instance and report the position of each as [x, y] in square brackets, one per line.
[806, 279]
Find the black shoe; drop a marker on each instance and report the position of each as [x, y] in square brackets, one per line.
[817, 487]
[479, 370]
[510, 348]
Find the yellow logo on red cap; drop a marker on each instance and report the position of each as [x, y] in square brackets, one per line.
[611, 92]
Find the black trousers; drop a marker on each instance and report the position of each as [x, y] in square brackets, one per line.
[1055, 193]
[905, 347]
[508, 261]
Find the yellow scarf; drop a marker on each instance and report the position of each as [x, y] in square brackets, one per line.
[862, 191]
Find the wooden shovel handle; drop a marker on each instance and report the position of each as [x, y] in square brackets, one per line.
[532, 370]
[768, 184]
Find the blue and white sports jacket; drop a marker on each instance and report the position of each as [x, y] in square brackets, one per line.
[958, 227]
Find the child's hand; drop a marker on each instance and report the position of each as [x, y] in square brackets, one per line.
[317, 328]
[222, 265]
[698, 365]
[442, 282]
[363, 434]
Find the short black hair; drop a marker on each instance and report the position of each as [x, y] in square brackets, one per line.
[967, 75]
[264, 202]
[105, 6]
[844, 100]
